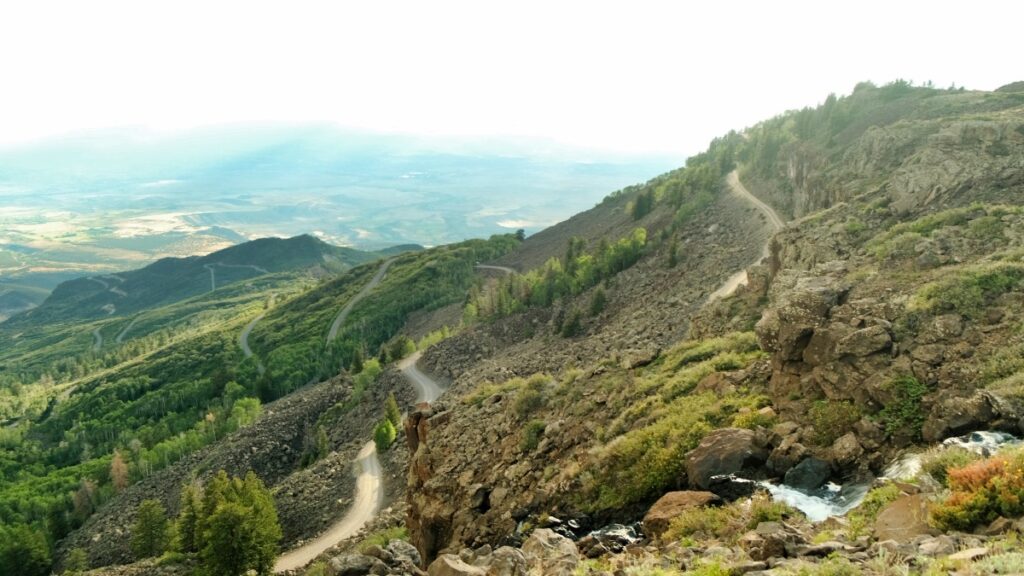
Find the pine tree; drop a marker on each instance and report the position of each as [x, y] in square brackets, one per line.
[394, 415]
[384, 435]
[149, 534]
[598, 301]
[190, 513]
[242, 532]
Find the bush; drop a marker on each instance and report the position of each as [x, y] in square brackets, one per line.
[905, 413]
[832, 419]
[598, 301]
[383, 536]
[754, 419]
[981, 492]
[969, 291]
[573, 325]
[532, 432]
[531, 396]
[384, 435]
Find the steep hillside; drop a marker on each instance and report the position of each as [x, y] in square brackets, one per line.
[887, 316]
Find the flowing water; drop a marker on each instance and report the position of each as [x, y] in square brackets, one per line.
[836, 500]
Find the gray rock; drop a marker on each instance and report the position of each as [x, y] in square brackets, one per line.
[809, 474]
[402, 549]
[550, 553]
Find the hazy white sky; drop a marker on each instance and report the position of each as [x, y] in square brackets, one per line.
[636, 75]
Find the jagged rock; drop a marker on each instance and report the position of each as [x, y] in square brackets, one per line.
[904, 519]
[452, 565]
[955, 416]
[741, 568]
[724, 452]
[355, 565]
[826, 549]
[402, 549]
[551, 553]
[671, 505]
[809, 474]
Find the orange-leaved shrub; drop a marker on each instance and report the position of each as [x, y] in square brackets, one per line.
[981, 492]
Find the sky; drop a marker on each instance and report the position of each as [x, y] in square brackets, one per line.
[637, 76]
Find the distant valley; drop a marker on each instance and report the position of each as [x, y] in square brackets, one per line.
[107, 202]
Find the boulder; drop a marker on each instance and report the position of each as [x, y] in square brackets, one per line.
[401, 549]
[673, 504]
[452, 565]
[355, 565]
[904, 519]
[846, 451]
[787, 454]
[955, 416]
[507, 561]
[550, 553]
[724, 452]
[810, 474]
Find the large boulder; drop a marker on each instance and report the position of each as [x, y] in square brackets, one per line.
[954, 416]
[904, 519]
[452, 565]
[673, 504]
[550, 553]
[400, 549]
[810, 474]
[865, 341]
[723, 452]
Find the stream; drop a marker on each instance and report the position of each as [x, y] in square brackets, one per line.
[835, 500]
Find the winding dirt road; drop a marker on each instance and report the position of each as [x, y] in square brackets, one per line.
[774, 222]
[97, 340]
[427, 390]
[368, 498]
[339, 320]
[243, 342]
[120, 337]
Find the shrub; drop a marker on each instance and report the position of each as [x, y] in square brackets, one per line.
[969, 291]
[384, 435]
[531, 396]
[573, 325]
[904, 413]
[383, 536]
[981, 492]
[532, 432]
[598, 301]
[754, 420]
[832, 419]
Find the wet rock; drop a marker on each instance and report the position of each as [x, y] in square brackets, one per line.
[785, 456]
[809, 474]
[671, 505]
[731, 487]
[723, 452]
[551, 553]
[452, 565]
[904, 519]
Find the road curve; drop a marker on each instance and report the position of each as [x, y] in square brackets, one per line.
[120, 337]
[368, 498]
[213, 277]
[504, 269]
[427, 390]
[243, 342]
[740, 278]
[339, 320]
[97, 340]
